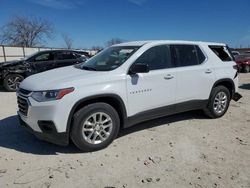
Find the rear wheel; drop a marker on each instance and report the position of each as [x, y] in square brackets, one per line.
[218, 103]
[95, 126]
[12, 81]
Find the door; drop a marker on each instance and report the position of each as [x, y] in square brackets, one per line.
[65, 58]
[194, 74]
[155, 89]
[42, 62]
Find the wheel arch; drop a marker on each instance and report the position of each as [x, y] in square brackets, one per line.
[112, 99]
[5, 77]
[228, 83]
[6, 73]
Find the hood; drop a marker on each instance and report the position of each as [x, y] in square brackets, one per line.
[61, 78]
[10, 63]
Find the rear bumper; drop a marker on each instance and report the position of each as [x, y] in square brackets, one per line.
[50, 135]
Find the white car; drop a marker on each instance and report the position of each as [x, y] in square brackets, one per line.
[126, 84]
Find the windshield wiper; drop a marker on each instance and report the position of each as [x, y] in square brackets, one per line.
[88, 68]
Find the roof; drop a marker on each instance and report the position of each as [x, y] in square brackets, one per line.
[141, 43]
[59, 50]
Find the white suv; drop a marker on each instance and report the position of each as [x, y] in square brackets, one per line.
[126, 84]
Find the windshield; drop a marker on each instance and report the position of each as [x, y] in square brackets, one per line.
[110, 58]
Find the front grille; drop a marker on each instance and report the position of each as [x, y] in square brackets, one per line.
[22, 101]
[23, 91]
[23, 105]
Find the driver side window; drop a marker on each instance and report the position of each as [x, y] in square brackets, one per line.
[158, 57]
[45, 57]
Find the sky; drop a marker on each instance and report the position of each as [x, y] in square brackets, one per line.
[93, 22]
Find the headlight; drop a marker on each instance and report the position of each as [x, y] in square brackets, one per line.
[42, 96]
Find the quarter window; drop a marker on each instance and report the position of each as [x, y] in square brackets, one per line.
[65, 55]
[158, 57]
[222, 52]
[188, 55]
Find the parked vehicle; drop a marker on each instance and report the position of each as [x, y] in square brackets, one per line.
[243, 62]
[83, 53]
[13, 72]
[126, 84]
[235, 53]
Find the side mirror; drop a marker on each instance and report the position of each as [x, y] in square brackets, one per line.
[139, 68]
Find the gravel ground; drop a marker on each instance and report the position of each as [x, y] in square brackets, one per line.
[184, 150]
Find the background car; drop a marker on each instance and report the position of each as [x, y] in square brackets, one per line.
[13, 72]
[243, 62]
[83, 53]
[235, 53]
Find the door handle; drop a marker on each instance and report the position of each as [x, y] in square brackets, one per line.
[208, 71]
[168, 77]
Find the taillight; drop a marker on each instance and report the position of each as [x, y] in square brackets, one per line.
[236, 67]
[246, 61]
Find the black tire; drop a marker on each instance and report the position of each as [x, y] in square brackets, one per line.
[246, 68]
[85, 114]
[12, 81]
[209, 110]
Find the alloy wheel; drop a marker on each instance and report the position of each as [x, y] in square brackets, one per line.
[14, 82]
[220, 102]
[97, 128]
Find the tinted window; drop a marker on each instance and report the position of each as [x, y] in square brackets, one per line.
[65, 55]
[45, 57]
[200, 55]
[188, 55]
[158, 57]
[222, 52]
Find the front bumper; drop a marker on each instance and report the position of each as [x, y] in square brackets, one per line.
[50, 135]
[46, 120]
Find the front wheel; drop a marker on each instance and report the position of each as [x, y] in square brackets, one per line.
[218, 102]
[12, 81]
[95, 126]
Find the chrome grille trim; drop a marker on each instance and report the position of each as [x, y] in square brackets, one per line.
[22, 101]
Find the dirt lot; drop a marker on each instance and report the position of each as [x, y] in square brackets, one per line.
[185, 150]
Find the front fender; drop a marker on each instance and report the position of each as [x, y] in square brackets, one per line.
[93, 97]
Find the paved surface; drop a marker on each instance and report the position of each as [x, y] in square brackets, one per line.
[184, 150]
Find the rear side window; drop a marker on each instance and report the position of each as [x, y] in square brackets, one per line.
[158, 57]
[65, 55]
[222, 52]
[188, 55]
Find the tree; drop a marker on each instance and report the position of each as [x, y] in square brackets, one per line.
[24, 31]
[68, 40]
[114, 41]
